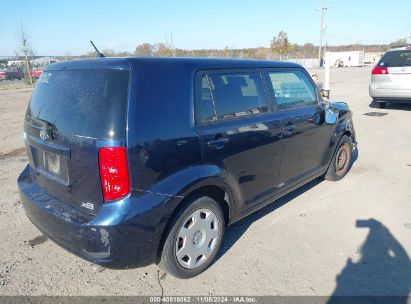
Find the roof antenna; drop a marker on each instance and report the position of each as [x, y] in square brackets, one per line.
[98, 52]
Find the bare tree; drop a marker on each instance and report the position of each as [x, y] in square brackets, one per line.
[145, 49]
[398, 43]
[227, 52]
[67, 55]
[25, 50]
[163, 50]
[280, 44]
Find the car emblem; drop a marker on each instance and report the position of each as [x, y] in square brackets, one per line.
[88, 205]
[44, 134]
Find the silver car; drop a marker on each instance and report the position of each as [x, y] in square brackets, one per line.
[391, 78]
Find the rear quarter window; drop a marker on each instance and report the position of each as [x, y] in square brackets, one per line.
[90, 103]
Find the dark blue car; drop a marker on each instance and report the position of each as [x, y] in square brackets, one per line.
[137, 161]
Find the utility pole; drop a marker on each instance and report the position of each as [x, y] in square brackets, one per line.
[172, 45]
[323, 9]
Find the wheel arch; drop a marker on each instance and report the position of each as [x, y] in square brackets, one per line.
[213, 186]
[344, 127]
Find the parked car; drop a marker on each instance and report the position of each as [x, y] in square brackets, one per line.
[13, 73]
[391, 78]
[134, 161]
[36, 73]
[3, 75]
[339, 63]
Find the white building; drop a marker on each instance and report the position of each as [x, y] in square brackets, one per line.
[43, 61]
[14, 62]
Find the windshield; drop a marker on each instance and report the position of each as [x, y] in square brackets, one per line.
[90, 103]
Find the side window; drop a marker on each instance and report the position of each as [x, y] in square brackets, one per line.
[292, 89]
[237, 94]
[206, 106]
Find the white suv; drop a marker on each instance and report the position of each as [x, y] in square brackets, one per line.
[391, 78]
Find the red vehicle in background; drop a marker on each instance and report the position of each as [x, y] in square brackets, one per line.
[11, 74]
[3, 75]
[36, 73]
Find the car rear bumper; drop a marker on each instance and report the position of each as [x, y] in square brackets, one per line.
[389, 94]
[120, 235]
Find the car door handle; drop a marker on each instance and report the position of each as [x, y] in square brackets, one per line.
[218, 143]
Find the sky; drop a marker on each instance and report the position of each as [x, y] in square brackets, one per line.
[60, 27]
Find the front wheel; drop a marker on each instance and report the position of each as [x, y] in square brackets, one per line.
[194, 238]
[341, 161]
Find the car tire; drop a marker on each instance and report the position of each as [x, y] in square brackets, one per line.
[196, 230]
[379, 104]
[341, 161]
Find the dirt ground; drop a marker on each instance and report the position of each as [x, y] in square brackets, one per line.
[348, 238]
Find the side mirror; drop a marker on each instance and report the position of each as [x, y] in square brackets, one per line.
[331, 115]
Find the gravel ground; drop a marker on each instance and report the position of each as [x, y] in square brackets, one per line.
[13, 84]
[350, 237]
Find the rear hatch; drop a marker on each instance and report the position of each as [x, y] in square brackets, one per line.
[397, 75]
[75, 109]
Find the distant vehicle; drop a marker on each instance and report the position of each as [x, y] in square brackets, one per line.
[36, 73]
[391, 78]
[3, 75]
[13, 73]
[134, 161]
[347, 59]
[339, 63]
[316, 79]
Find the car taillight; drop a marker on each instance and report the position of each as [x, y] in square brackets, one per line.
[115, 180]
[378, 70]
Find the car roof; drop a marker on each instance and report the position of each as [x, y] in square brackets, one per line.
[188, 62]
[206, 63]
[403, 48]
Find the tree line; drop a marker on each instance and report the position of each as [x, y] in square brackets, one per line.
[280, 48]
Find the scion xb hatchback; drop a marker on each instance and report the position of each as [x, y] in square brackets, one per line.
[391, 78]
[146, 160]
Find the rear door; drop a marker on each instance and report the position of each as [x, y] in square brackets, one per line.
[72, 113]
[398, 64]
[238, 131]
[305, 136]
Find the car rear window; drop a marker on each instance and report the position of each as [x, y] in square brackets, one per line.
[90, 103]
[396, 59]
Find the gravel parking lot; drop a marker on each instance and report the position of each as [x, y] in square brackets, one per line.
[351, 237]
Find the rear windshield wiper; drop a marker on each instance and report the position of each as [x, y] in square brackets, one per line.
[49, 127]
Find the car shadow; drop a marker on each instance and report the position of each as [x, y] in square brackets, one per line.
[393, 106]
[235, 231]
[384, 269]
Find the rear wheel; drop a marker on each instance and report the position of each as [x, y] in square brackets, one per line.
[193, 239]
[341, 161]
